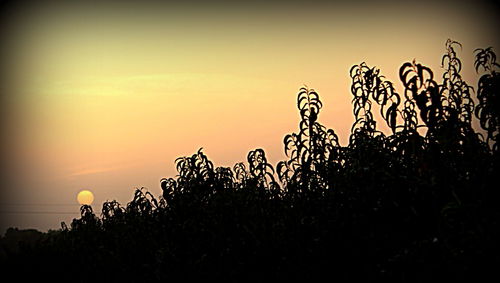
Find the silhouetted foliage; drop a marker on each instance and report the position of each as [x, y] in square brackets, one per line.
[416, 204]
[488, 109]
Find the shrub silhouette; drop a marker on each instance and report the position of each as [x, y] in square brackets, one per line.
[414, 204]
[488, 109]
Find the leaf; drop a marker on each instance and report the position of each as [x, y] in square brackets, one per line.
[392, 119]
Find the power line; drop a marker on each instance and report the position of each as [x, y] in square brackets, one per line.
[19, 208]
[39, 204]
[38, 212]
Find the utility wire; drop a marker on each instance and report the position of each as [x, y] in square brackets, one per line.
[37, 212]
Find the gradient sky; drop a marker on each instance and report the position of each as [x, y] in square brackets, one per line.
[104, 97]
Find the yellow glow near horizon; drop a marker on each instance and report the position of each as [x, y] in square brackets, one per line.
[85, 197]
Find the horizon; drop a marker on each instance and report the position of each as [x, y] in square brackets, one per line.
[106, 101]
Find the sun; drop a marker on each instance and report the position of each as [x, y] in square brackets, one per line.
[85, 197]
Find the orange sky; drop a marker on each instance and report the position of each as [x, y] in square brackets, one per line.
[105, 97]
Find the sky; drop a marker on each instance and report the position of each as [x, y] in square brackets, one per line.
[104, 96]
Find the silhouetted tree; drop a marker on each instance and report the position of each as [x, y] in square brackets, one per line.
[413, 204]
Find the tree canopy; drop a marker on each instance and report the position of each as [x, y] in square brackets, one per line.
[409, 205]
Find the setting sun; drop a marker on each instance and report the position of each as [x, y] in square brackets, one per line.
[85, 197]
